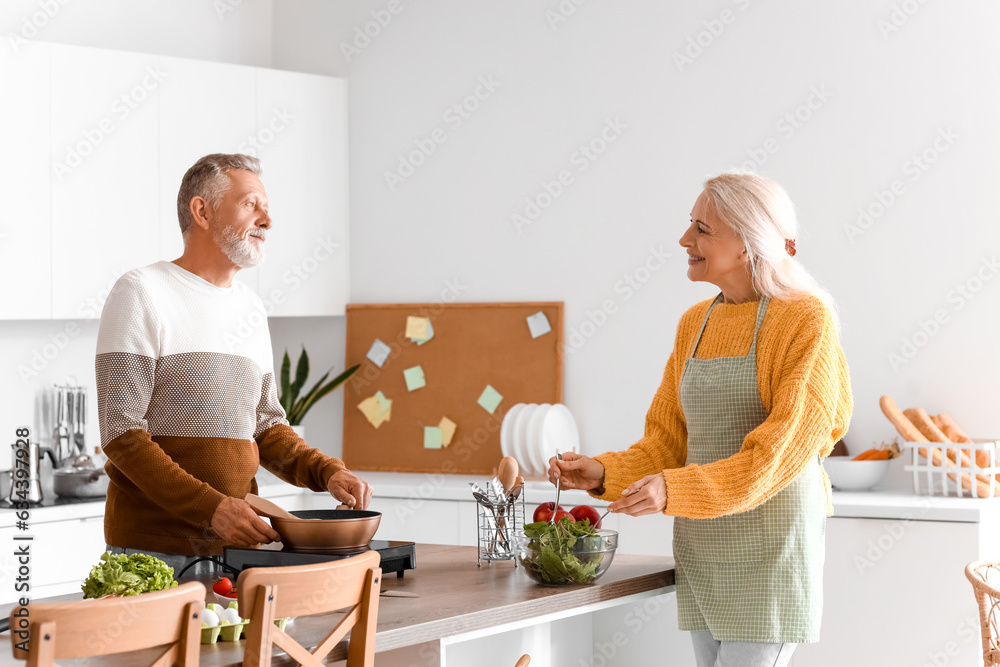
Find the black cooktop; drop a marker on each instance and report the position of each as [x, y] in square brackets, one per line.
[396, 556]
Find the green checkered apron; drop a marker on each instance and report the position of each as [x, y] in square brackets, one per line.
[757, 575]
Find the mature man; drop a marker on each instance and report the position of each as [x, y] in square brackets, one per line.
[188, 409]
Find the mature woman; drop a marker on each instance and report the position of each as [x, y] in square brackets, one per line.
[754, 396]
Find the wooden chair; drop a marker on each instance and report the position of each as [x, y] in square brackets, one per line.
[86, 628]
[301, 590]
[984, 577]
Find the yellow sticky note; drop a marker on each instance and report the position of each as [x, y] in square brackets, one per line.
[376, 409]
[416, 327]
[447, 427]
[371, 409]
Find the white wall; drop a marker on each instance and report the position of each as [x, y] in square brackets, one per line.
[888, 97]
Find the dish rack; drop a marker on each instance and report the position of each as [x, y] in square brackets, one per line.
[966, 469]
[497, 526]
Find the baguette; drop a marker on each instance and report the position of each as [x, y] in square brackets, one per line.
[911, 433]
[903, 425]
[955, 457]
[919, 418]
[956, 434]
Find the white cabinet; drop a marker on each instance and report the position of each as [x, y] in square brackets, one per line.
[61, 555]
[101, 141]
[895, 594]
[302, 141]
[104, 173]
[204, 108]
[25, 235]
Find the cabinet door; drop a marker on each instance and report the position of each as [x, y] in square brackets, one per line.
[25, 264]
[204, 108]
[104, 173]
[302, 142]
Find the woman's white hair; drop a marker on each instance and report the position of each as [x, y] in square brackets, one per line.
[762, 215]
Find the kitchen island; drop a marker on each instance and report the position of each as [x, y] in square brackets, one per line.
[463, 611]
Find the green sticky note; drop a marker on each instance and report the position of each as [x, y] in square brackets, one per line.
[383, 402]
[490, 399]
[430, 334]
[414, 378]
[433, 437]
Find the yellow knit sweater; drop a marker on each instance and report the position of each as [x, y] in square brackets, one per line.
[804, 386]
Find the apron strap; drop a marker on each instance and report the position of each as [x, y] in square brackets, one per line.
[761, 311]
[703, 323]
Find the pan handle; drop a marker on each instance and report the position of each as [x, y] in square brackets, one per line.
[5, 624]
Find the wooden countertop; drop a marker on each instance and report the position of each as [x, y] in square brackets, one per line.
[456, 597]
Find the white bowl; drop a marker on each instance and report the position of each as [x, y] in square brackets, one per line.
[519, 438]
[539, 463]
[848, 475]
[506, 428]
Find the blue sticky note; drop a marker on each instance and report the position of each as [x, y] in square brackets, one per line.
[490, 399]
[414, 378]
[432, 437]
[378, 353]
[430, 334]
[538, 324]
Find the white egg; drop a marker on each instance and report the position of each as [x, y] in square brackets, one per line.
[209, 618]
[230, 615]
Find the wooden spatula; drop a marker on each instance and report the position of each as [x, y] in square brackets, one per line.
[267, 508]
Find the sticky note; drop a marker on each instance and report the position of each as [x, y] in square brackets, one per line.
[490, 399]
[447, 427]
[432, 437]
[414, 378]
[416, 327]
[430, 334]
[378, 353]
[384, 403]
[376, 409]
[538, 324]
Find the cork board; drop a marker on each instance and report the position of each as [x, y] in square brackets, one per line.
[474, 345]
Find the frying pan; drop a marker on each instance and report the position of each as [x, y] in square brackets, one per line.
[319, 530]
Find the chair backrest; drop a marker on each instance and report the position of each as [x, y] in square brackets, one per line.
[300, 590]
[44, 632]
[988, 599]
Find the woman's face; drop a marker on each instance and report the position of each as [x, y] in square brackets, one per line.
[715, 253]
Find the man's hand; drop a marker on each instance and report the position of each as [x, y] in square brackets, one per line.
[350, 489]
[236, 523]
[647, 496]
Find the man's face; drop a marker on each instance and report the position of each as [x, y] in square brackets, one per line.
[242, 220]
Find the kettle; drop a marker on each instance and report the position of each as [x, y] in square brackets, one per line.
[25, 472]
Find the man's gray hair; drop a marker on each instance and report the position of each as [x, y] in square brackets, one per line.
[207, 178]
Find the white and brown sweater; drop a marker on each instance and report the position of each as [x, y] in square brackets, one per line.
[188, 409]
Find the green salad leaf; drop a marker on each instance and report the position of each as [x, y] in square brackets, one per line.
[120, 574]
[565, 552]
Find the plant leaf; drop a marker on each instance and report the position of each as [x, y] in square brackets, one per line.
[301, 373]
[319, 392]
[299, 407]
[285, 398]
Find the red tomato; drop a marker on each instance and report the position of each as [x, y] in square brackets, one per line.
[544, 511]
[561, 513]
[223, 586]
[581, 512]
[232, 594]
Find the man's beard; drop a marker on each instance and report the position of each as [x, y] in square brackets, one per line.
[242, 252]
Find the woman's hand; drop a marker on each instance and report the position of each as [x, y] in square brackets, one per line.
[646, 496]
[577, 471]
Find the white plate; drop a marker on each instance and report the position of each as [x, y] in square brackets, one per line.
[519, 439]
[506, 428]
[559, 432]
[538, 463]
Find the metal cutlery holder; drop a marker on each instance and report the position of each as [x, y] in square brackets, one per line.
[497, 526]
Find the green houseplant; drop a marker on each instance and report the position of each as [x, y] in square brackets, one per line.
[295, 407]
